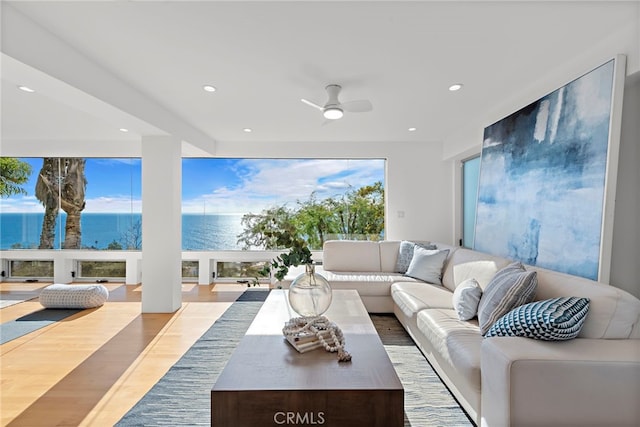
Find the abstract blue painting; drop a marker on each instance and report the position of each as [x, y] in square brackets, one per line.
[542, 178]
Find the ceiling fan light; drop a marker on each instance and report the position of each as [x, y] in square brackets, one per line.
[333, 113]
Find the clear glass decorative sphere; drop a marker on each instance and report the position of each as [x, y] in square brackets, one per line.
[310, 293]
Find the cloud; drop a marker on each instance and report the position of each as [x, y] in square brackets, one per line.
[113, 204]
[261, 183]
[118, 204]
[266, 182]
[21, 204]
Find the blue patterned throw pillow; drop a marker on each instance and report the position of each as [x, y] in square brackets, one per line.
[555, 319]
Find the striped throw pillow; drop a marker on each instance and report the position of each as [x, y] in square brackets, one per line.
[509, 288]
[555, 319]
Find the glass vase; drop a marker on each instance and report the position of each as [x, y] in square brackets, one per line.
[310, 293]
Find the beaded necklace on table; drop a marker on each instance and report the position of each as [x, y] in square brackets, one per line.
[317, 325]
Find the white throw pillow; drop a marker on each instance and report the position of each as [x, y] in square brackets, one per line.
[466, 298]
[427, 265]
[405, 254]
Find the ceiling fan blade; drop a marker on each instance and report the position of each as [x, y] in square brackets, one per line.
[361, 106]
[312, 104]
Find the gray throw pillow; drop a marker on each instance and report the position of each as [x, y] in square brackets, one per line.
[511, 287]
[427, 265]
[405, 254]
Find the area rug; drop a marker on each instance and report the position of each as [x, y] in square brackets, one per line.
[427, 401]
[12, 298]
[32, 322]
[183, 396]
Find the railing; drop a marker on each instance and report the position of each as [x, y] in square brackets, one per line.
[66, 263]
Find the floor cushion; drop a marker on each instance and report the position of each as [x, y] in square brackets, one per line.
[73, 296]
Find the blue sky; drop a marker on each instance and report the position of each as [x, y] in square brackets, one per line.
[214, 185]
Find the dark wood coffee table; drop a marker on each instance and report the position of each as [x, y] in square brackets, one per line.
[266, 382]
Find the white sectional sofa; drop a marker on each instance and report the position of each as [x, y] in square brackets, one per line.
[593, 379]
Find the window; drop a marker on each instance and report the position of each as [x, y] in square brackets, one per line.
[239, 270]
[227, 203]
[470, 174]
[190, 269]
[30, 268]
[95, 203]
[101, 269]
[73, 203]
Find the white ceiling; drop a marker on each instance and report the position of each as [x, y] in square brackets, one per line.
[264, 56]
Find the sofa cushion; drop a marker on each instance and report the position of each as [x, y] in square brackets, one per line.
[340, 255]
[556, 319]
[613, 312]
[412, 297]
[466, 298]
[368, 284]
[427, 265]
[510, 287]
[405, 254]
[466, 264]
[456, 343]
[388, 255]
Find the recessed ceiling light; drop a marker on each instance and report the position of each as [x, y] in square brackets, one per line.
[26, 89]
[248, 130]
[209, 88]
[412, 129]
[124, 130]
[456, 86]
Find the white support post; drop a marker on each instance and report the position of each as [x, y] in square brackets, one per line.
[134, 270]
[62, 267]
[161, 224]
[205, 268]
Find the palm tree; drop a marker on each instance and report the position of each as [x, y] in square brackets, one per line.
[61, 184]
[47, 188]
[74, 184]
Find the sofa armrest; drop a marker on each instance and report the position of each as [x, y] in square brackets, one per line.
[586, 382]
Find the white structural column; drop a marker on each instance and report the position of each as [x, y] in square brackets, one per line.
[161, 224]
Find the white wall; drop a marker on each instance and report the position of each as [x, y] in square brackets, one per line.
[625, 258]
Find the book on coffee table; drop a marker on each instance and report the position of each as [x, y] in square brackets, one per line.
[307, 341]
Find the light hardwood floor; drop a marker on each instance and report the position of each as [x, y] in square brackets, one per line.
[91, 368]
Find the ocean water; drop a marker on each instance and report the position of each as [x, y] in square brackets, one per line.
[199, 232]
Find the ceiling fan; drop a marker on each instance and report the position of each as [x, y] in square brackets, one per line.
[333, 109]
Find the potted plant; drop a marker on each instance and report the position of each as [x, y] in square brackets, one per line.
[298, 254]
